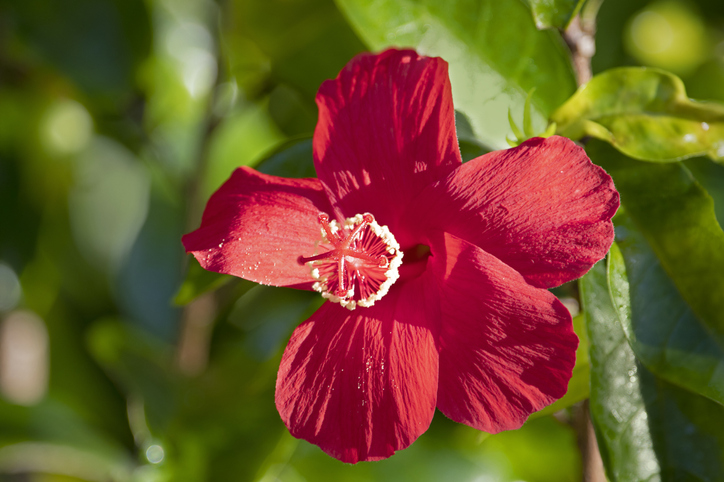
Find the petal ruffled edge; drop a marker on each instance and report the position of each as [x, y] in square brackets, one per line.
[362, 384]
[507, 349]
[543, 208]
[256, 226]
[386, 130]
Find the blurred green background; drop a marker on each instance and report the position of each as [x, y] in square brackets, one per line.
[118, 119]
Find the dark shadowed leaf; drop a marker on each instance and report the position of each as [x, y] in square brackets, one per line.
[676, 216]
[304, 42]
[647, 429]
[661, 329]
[291, 159]
[644, 113]
[711, 177]
[141, 365]
[97, 43]
[495, 52]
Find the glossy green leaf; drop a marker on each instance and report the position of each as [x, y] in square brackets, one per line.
[661, 329]
[644, 113]
[554, 13]
[647, 429]
[496, 55]
[676, 216]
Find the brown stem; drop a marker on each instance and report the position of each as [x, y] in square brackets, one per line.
[193, 345]
[580, 36]
[592, 464]
[580, 39]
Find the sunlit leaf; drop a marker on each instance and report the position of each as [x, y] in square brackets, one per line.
[676, 216]
[516, 132]
[647, 429]
[528, 131]
[496, 55]
[644, 113]
[554, 13]
[662, 330]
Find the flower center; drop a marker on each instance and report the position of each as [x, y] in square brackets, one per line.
[358, 262]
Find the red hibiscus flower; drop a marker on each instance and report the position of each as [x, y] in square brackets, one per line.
[436, 271]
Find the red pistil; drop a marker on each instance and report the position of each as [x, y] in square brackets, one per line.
[357, 267]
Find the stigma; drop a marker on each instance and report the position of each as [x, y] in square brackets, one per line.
[357, 261]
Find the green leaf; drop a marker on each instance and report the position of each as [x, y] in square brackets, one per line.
[269, 314]
[579, 386]
[645, 114]
[676, 216]
[197, 282]
[292, 159]
[495, 52]
[97, 43]
[470, 146]
[661, 329]
[304, 42]
[647, 429]
[554, 13]
[241, 139]
[711, 177]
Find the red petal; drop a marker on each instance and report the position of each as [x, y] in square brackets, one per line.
[257, 226]
[386, 130]
[543, 208]
[362, 384]
[507, 349]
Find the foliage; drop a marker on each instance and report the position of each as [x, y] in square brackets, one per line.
[121, 359]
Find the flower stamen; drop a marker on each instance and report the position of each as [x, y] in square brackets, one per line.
[360, 261]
